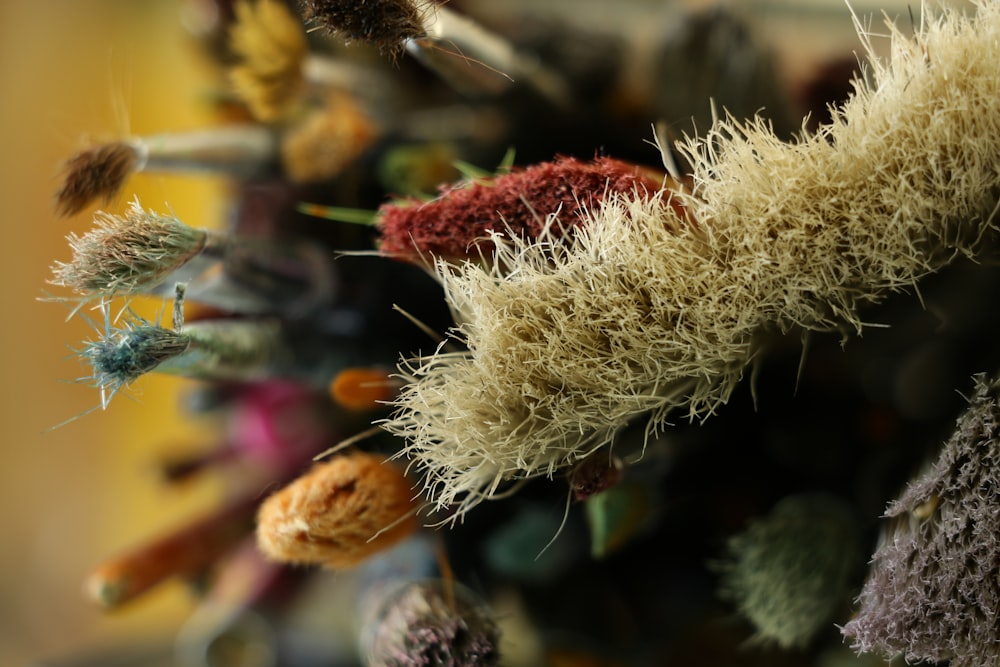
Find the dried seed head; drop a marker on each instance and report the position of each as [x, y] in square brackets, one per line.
[185, 551]
[418, 625]
[339, 513]
[933, 589]
[96, 173]
[228, 349]
[789, 572]
[126, 353]
[385, 23]
[568, 342]
[521, 202]
[327, 141]
[644, 312]
[271, 46]
[128, 254]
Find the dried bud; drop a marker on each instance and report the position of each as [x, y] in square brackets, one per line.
[327, 141]
[933, 590]
[96, 173]
[595, 474]
[129, 253]
[789, 571]
[419, 625]
[363, 388]
[339, 513]
[519, 201]
[385, 23]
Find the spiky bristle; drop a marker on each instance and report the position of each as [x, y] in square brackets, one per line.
[125, 353]
[643, 312]
[385, 23]
[95, 173]
[126, 254]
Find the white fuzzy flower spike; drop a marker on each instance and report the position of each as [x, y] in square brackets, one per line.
[642, 313]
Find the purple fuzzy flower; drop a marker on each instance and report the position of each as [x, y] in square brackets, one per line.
[933, 591]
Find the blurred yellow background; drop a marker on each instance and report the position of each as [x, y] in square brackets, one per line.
[69, 497]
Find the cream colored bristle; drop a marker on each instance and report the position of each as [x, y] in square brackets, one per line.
[644, 314]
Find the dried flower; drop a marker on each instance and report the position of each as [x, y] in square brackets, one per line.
[99, 172]
[645, 313]
[933, 590]
[339, 513]
[234, 349]
[142, 252]
[469, 57]
[186, 551]
[362, 388]
[327, 141]
[788, 572]
[128, 253]
[428, 623]
[385, 23]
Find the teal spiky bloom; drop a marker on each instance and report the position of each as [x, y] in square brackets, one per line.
[126, 353]
[227, 349]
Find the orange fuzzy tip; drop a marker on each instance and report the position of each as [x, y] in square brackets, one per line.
[339, 513]
[362, 388]
[185, 551]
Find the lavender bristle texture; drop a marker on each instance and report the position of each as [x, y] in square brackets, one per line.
[933, 590]
[647, 314]
[419, 627]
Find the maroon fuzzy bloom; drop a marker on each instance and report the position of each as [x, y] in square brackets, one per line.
[456, 223]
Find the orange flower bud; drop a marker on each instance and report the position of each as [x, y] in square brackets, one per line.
[339, 513]
[362, 388]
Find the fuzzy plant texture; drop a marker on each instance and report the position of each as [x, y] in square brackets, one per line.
[127, 253]
[431, 624]
[340, 513]
[455, 223]
[643, 312]
[933, 590]
[788, 573]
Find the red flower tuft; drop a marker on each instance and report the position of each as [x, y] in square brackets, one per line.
[520, 201]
